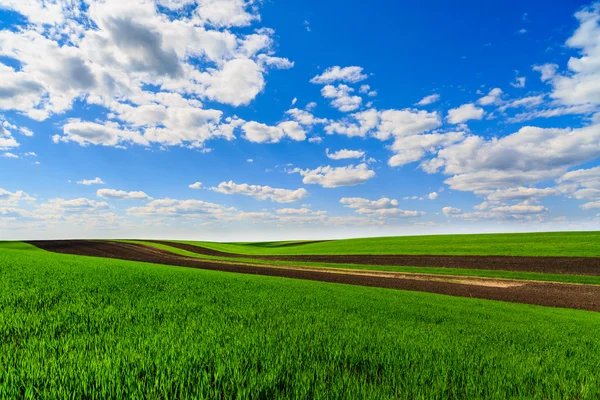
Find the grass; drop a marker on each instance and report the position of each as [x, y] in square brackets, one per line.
[583, 244]
[533, 276]
[80, 327]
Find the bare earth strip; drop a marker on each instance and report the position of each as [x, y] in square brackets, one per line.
[549, 265]
[586, 297]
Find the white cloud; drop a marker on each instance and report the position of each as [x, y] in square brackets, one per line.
[530, 101]
[225, 13]
[413, 148]
[433, 195]
[521, 211]
[330, 177]
[261, 133]
[305, 117]
[12, 198]
[581, 84]
[406, 127]
[134, 60]
[493, 97]
[519, 82]
[344, 154]
[10, 155]
[361, 203]
[547, 71]
[590, 206]
[464, 113]
[522, 193]
[383, 208]
[451, 211]
[58, 208]
[171, 208]
[237, 83]
[197, 185]
[396, 123]
[347, 74]
[432, 98]
[95, 181]
[85, 133]
[262, 192]
[8, 143]
[585, 177]
[113, 194]
[342, 100]
[528, 156]
[299, 211]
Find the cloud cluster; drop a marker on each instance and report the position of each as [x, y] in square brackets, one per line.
[383, 207]
[332, 177]
[262, 192]
[150, 64]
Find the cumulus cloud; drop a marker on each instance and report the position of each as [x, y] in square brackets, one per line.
[85, 133]
[522, 193]
[521, 211]
[172, 208]
[262, 192]
[347, 74]
[432, 98]
[342, 100]
[519, 82]
[60, 207]
[261, 133]
[528, 156]
[527, 102]
[344, 154]
[88, 182]
[150, 69]
[383, 207]
[304, 117]
[113, 194]
[433, 195]
[493, 97]
[197, 185]
[580, 84]
[330, 177]
[465, 113]
[12, 198]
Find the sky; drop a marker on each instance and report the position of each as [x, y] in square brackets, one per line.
[271, 120]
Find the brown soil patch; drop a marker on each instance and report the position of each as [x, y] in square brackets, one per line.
[548, 265]
[586, 297]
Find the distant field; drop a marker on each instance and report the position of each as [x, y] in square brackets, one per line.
[83, 327]
[426, 270]
[582, 244]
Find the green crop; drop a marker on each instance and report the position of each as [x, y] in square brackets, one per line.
[583, 244]
[81, 327]
[533, 276]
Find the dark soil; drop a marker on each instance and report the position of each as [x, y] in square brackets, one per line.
[548, 265]
[586, 297]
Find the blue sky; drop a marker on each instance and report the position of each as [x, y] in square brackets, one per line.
[250, 120]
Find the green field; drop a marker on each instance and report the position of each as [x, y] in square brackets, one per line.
[533, 276]
[584, 244]
[80, 327]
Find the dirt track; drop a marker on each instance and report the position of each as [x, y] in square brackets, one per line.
[549, 265]
[585, 297]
